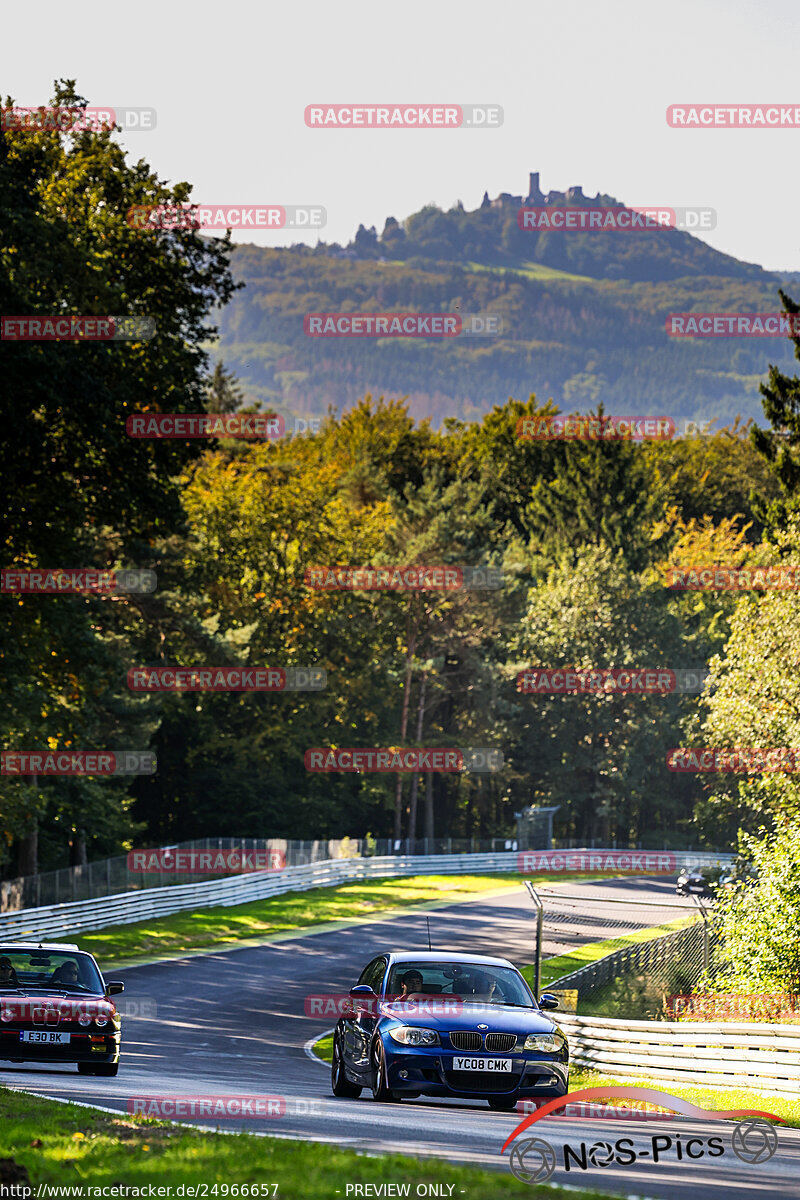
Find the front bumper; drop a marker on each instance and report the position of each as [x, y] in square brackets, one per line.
[82, 1047]
[429, 1072]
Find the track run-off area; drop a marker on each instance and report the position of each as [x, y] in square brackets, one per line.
[234, 1022]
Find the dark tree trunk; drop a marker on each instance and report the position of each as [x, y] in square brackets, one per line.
[412, 815]
[429, 806]
[398, 795]
[28, 848]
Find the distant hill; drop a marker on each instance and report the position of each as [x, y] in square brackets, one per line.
[583, 317]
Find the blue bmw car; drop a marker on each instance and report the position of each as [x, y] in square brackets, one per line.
[433, 1024]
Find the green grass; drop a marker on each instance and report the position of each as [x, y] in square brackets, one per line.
[534, 270]
[581, 956]
[65, 1144]
[324, 1048]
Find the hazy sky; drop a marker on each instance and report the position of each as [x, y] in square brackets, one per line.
[584, 87]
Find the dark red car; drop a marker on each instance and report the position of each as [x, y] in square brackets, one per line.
[55, 1007]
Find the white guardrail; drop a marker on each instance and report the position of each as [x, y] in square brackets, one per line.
[78, 916]
[714, 1053]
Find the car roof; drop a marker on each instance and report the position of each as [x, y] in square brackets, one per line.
[40, 946]
[448, 956]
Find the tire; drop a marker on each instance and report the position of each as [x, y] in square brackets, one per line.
[380, 1091]
[502, 1103]
[108, 1069]
[340, 1084]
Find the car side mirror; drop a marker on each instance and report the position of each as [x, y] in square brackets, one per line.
[114, 988]
[362, 991]
[546, 1001]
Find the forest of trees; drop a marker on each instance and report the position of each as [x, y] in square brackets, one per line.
[584, 533]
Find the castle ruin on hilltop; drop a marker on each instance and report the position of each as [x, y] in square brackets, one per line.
[573, 195]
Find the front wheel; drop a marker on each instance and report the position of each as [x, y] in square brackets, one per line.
[109, 1069]
[340, 1084]
[380, 1088]
[502, 1103]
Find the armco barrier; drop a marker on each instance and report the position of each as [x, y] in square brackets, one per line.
[60, 920]
[714, 1053]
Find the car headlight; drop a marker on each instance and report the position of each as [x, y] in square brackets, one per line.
[550, 1043]
[100, 1021]
[84, 1018]
[414, 1035]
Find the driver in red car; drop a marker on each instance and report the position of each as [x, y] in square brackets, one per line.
[8, 976]
[67, 973]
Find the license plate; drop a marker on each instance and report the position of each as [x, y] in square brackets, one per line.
[43, 1037]
[483, 1064]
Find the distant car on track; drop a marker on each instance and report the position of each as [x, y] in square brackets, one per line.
[55, 1007]
[439, 1024]
[705, 881]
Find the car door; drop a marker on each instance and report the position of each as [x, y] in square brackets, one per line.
[363, 1025]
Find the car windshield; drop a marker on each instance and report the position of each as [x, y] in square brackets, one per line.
[468, 980]
[63, 970]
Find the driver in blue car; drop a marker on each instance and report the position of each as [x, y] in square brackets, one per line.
[411, 982]
[484, 987]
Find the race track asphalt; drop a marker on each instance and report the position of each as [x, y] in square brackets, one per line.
[233, 1022]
